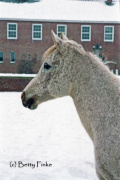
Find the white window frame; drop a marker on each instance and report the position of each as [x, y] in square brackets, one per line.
[36, 31]
[10, 57]
[3, 57]
[86, 33]
[12, 30]
[65, 28]
[109, 40]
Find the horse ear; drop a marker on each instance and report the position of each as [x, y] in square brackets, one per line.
[55, 38]
[57, 41]
[64, 37]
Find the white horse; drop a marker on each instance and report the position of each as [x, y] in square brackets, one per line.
[68, 70]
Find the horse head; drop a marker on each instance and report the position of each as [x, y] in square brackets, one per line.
[54, 77]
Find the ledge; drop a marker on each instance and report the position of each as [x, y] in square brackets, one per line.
[16, 75]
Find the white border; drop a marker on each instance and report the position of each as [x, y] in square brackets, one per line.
[86, 40]
[8, 31]
[38, 39]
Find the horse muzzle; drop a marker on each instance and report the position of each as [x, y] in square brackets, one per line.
[28, 103]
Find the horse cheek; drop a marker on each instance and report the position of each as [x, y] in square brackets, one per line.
[58, 88]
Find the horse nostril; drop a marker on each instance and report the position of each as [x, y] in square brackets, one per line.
[23, 96]
[30, 103]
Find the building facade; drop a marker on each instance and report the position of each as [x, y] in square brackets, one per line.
[23, 41]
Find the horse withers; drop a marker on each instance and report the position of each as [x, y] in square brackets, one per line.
[68, 70]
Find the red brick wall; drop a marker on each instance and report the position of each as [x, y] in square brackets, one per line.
[110, 49]
[28, 49]
[13, 83]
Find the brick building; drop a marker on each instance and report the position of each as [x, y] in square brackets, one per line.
[25, 30]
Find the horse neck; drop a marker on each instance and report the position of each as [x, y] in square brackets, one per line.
[93, 91]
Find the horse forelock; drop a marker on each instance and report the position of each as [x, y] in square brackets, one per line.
[76, 46]
[48, 52]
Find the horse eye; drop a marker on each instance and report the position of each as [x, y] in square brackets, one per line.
[47, 66]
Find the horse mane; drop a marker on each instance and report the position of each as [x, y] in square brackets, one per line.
[96, 61]
[79, 48]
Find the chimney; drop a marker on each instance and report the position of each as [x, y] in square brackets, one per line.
[109, 2]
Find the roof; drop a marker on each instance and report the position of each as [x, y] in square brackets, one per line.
[61, 10]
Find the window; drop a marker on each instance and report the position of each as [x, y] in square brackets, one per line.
[85, 33]
[61, 28]
[1, 57]
[109, 33]
[11, 31]
[12, 57]
[37, 31]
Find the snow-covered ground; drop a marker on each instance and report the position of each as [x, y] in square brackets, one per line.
[51, 133]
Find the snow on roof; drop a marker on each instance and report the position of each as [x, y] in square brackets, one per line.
[61, 10]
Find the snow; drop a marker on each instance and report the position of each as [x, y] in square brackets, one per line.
[16, 75]
[51, 133]
[63, 10]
